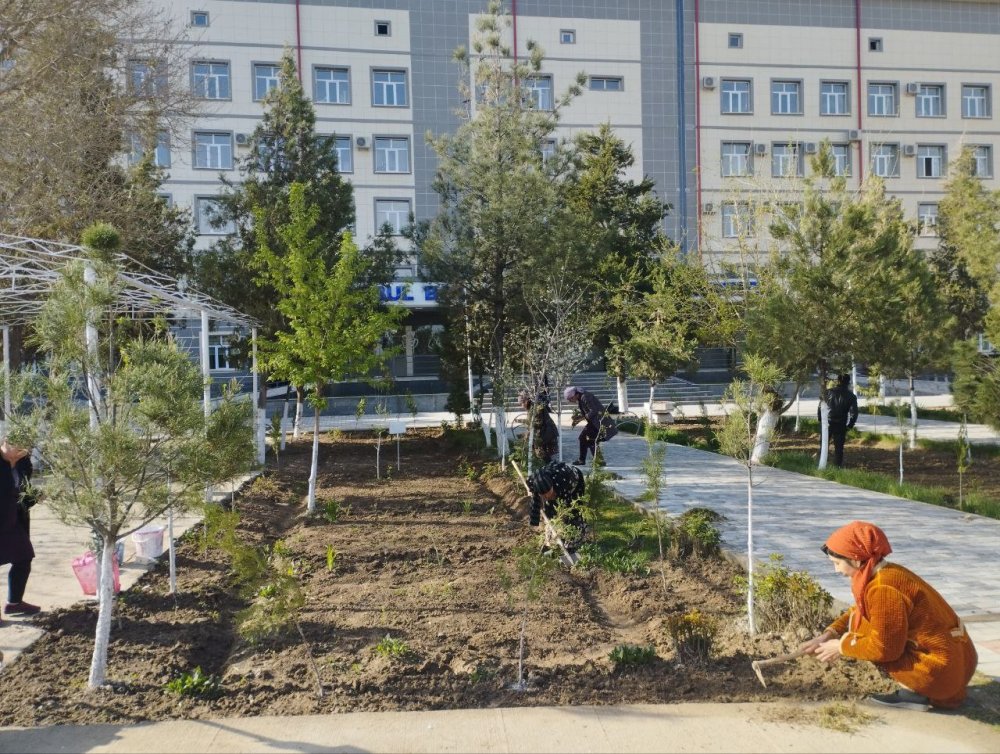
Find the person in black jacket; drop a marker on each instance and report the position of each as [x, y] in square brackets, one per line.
[15, 525]
[843, 415]
[600, 426]
[556, 486]
[546, 442]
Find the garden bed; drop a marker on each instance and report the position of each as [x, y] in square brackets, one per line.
[417, 559]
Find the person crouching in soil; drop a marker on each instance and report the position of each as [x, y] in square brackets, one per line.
[899, 622]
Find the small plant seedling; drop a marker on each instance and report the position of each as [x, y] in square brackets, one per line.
[331, 558]
[467, 506]
[332, 510]
[392, 648]
[632, 655]
[194, 683]
[693, 635]
[482, 673]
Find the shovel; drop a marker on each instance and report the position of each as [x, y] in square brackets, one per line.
[757, 664]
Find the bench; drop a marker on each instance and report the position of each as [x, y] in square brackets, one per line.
[660, 411]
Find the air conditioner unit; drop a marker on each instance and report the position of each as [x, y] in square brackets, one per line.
[909, 150]
[708, 82]
[854, 134]
[811, 147]
[361, 141]
[708, 208]
[760, 148]
[913, 88]
[242, 140]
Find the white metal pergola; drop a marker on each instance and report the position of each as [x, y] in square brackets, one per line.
[29, 267]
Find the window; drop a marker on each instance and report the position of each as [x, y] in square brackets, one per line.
[875, 44]
[736, 96]
[140, 146]
[607, 83]
[567, 36]
[885, 160]
[394, 212]
[930, 101]
[199, 18]
[265, 78]
[930, 161]
[834, 98]
[975, 101]
[735, 41]
[841, 159]
[881, 99]
[982, 167]
[167, 199]
[210, 80]
[345, 154]
[207, 218]
[548, 149]
[213, 150]
[389, 88]
[736, 159]
[539, 89]
[218, 351]
[786, 97]
[927, 217]
[383, 29]
[786, 160]
[392, 154]
[147, 78]
[331, 86]
[737, 220]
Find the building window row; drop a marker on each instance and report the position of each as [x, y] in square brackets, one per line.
[208, 216]
[835, 98]
[787, 159]
[739, 221]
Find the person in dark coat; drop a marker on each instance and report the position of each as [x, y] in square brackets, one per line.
[15, 525]
[600, 426]
[546, 443]
[842, 416]
[556, 486]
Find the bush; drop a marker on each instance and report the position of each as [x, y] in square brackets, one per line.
[692, 635]
[788, 600]
[389, 647]
[632, 655]
[694, 533]
[195, 683]
[332, 510]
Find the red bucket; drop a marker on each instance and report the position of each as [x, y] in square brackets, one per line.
[85, 569]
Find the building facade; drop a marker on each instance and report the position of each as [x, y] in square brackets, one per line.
[721, 100]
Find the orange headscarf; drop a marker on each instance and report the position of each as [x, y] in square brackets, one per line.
[860, 540]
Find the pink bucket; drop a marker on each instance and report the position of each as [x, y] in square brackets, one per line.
[85, 569]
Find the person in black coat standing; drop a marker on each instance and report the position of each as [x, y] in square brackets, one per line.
[600, 426]
[15, 525]
[842, 416]
[546, 442]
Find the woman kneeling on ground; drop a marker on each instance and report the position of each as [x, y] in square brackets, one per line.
[899, 622]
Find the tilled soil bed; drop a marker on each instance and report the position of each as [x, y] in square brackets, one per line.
[418, 558]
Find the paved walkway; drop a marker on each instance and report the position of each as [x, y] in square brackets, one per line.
[793, 515]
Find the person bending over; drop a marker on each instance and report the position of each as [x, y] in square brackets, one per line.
[557, 487]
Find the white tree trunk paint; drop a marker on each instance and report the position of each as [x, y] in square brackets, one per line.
[486, 424]
[172, 551]
[6, 377]
[765, 431]
[106, 596]
[649, 411]
[284, 425]
[798, 410]
[299, 408]
[622, 394]
[824, 433]
[913, 416]
[314, 467]
[751, 618]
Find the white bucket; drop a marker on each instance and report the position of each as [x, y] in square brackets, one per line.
[148, 542]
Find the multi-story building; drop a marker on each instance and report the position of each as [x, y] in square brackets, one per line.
[719, 99]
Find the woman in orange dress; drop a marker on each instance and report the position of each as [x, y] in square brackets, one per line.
[899, 622]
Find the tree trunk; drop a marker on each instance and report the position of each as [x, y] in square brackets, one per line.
[299, 404]
[314, 467]
[559, 421]
[765, 430]
[751, 618]
[622, 393]
[649, 408]
[284, 425]
[798, 410]
[531, 437]
[172, 552]
[824, 418]
[106, 597]
[913, 415]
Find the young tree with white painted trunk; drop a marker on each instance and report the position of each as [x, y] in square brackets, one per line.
[138, 443]
[335, 322]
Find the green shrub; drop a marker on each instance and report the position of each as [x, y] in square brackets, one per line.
[694, 533]
[692, 635]
[195, 683]
[632, 655]
[332, 510]
[389, 647]
[786, 599]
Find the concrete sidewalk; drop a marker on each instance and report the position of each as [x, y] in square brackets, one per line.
[639, 728]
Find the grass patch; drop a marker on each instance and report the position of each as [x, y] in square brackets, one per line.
[804, 463]
[846, 717]
[983, 702]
